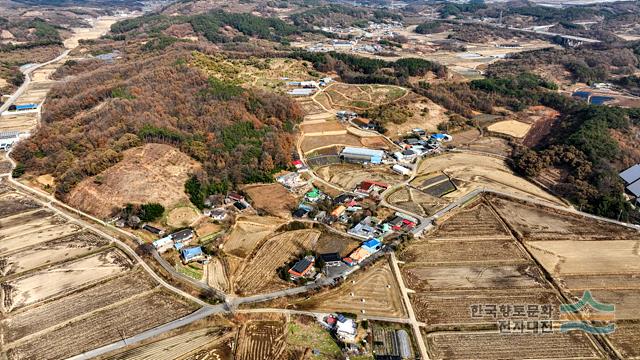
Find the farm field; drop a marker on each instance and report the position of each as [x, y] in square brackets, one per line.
[575, 257]
[472, 258]
[453, 308]
[479, 217]
[247, 232]
[150, 173]
[322, 128]
[18, 122]
[274, 199]
[347, 176]
[469, 258]
[49, 282]
[361, 97]
[572, 345]
[472, 277]
[513, 128]
[472, 171]
[217, 274]
[259, 274]
[416, 201]
[310, 143]
[373, 292]
[425, 114]
[462, 251]
[533, 222]
[61, 280]
[259, 340]
[57, 250]
[103, 327]
[625, 339]
[178, 346]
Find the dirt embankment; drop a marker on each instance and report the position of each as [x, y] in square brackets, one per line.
[150, 173]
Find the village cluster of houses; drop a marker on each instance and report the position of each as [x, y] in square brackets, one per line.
[362, 39]
[179, 241]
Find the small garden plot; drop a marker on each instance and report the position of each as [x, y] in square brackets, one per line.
[259, 340]
[306, 333]
[51, 252]
[480, 346]
[260, 274]
[61, 278]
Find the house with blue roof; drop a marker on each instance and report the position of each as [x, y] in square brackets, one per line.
[192, 254]
[372, 246]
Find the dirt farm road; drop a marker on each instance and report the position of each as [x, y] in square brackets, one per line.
[407, 303]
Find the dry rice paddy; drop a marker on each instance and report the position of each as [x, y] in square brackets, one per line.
[66, 290]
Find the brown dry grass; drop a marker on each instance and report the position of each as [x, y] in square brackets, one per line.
[274, 199]
[151, 173]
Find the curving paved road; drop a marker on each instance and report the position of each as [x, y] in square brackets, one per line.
[27, 72]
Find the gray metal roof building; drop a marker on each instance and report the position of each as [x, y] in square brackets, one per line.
[631, 174]
[634, 188]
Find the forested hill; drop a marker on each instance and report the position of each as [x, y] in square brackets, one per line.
[239, 135]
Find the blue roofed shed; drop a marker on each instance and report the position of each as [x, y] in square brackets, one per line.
[372, 246]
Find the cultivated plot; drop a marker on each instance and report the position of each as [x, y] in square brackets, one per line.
[259, 274]
[458, 346]
[373, 292]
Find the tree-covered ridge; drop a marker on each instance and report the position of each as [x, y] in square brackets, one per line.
[239, 135]
[209, 25]
[341, 15]
[361, 70]
[593, 63]
[30, 34]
